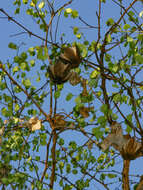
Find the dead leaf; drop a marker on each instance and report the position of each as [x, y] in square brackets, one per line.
[34, 123]
[84, 111]
[59, 121]
[2, 131]
[74, 79]
[90, 144]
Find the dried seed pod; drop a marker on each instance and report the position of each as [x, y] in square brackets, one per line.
[60, 72]
[71, 55]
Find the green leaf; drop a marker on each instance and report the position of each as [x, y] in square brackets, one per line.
[68, 10]
[115, 85]
[111, 176]
[78, 100]
[7, 98]
[15, 69]
[78, 35]
[16, 59]
[109, 39]
[68, 168]
[3, 86]
[41, 5]
[128, 129]
[92, 46]
[23, 56]
[115, 68]
[5, 112]
[43, 139]
[61, 165]
[26, 83]
[60, 87]
[126, 26]
[69, 97]
[141, 14]
[74, 171]
[66, 14]
[117, 98]
[86, 43]
[42, 53]
[72, 145]
[74, 14]
[17, 89]
[102, 120]
[17, 107]
[29, 159]
[104, 109]
[102, 176]
[129, 39]
[23, 66]
[31, 51]
[12, 45]
[107, 57]
[93, 83]
[61, 142]
[57, 94]
[17, 10]
[83, 50]
[139, 58]
[75, 30]
[114, 116]
[97, 133]
[32, 62]
[30, 11]
[94, 74]
[25, 1]
[110, 22]
[33, 3]
[4, 180]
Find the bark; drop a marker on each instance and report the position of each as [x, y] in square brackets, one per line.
[125, 175]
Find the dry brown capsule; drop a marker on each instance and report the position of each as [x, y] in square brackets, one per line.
[60, 72]
[71, 55]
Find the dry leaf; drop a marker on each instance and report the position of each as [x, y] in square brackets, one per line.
[59, 121]
[74, 79]
[2, 131]
[84, 111]
[34, 123]
[90, 144]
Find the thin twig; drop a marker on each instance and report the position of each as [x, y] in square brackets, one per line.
[46, 162]
[52, 178]
[90, 26]
[23, 90]
[23, 27]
